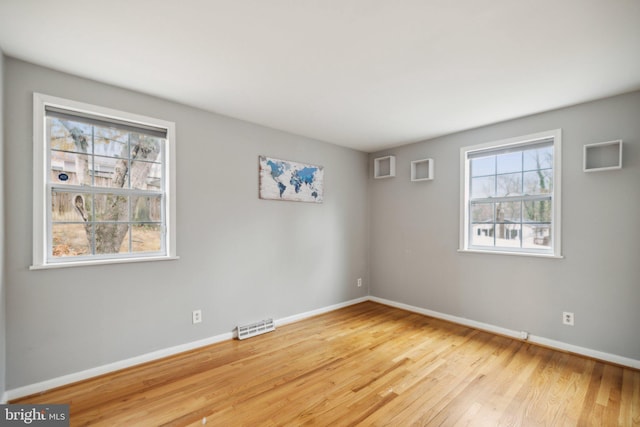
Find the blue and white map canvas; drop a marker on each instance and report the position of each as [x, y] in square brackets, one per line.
[285, 180]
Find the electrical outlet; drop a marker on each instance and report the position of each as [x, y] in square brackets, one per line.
[196, 316]
[359, 282]
[567, 318]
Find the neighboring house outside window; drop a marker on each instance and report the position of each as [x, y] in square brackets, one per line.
[510, 196]
[103, 185]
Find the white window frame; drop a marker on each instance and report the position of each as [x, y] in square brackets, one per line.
[556, 247]
[41, 169]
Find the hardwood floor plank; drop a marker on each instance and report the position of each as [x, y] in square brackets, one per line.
[366, 364]
[630, 398]
[589, 408]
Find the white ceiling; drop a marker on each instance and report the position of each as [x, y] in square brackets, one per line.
[366, 74]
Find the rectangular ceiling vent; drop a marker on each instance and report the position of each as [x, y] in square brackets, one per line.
[258, 328]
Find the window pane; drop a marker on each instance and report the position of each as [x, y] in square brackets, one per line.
[482, 219]
[509, 184]
[110, 238]
[111, 207]
[59, 137]
[482, 234]
[538, 182]
[483, 187]
[69, 135]
[508, 212]
[145, 147]
[509, 162]
[147, 209]
[483, 166]
[508, 235]
[537, 211]
[536, 236]
[70, 168]
[70, 207]
[110, 142]
[482, 213]
[146, 238]
[110, 172]
[154, 179]
[146, 175]
[541, 158]
[71, 240]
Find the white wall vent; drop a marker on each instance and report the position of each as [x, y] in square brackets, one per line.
[258, 328]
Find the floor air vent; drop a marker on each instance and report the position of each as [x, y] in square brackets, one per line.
[261, 327]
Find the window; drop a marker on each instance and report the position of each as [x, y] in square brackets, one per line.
[103, 185]
[510, 196]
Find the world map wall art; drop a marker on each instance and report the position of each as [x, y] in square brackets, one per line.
[285, 180]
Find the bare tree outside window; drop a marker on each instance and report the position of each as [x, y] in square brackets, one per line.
[103, 176]
[104, 185]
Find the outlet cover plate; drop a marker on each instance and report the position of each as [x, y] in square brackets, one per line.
[196, 316]
[568, 318]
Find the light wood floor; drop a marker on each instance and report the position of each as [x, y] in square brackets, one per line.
[367, 364]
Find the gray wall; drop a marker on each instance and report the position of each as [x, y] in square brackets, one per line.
[2, 239]
[242, 259]
[415, 230]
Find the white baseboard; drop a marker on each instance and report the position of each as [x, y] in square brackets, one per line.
[546, 342]
[111, 367]
[301, 316]
[595, 354]
[155, 355]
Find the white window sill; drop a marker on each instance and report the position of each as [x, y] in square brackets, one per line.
[101, 262]
[527, 254]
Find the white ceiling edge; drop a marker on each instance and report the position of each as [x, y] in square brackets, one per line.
[369, 75]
